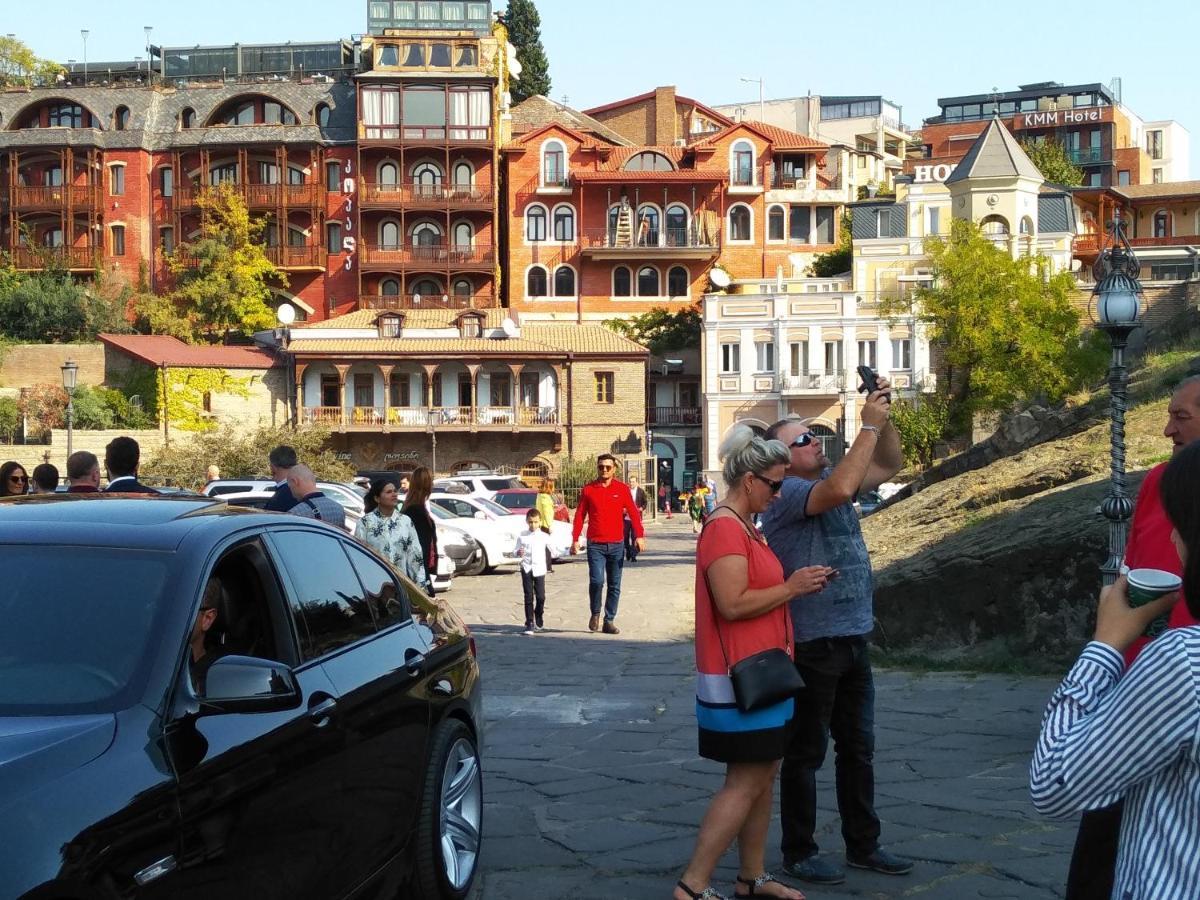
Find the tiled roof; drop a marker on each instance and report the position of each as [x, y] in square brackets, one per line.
[581, 338]
[780, 138]
[649, 95]
[159, 349]
[413, 318]
[1165, 190]
[539, 111]
[554, 338]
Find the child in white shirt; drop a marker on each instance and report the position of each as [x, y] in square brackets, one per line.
[533, 547]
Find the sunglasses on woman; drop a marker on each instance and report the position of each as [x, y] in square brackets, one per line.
[22, 479]
[773, 485]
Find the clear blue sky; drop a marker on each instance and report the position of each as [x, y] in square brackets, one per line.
[603, 51]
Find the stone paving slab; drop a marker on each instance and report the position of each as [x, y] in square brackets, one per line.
[593, 788]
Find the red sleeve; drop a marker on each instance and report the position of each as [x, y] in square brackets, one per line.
[722, 536]
[580, 513]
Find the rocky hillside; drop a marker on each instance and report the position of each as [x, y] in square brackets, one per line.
[1003, 562]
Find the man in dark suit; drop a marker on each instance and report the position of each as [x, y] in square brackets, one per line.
[282, 460]
[121, 459]
[83, 473]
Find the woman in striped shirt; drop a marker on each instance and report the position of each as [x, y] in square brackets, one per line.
[1109, 734]
[741, 609]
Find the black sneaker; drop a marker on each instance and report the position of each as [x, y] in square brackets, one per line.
[881, 861]
[815, 870]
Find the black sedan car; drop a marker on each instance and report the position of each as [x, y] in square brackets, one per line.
[198, 701]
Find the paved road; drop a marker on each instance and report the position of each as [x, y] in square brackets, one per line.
[593, 788]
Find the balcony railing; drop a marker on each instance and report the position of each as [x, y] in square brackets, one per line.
[415, 301]
[308, 257]
[260, 195]
[50, 197]
[453, 134]
[814, 382]
[1086, 155]
[67, 257]
[660, 238]
[427, 194]
[438, 255]
[419, 417]
[674, 415]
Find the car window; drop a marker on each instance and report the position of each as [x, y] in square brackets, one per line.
[389, 604]
[500, 484]
[328, 603]
[218, 489]
[516, 501]
[457, 507]
[494, 508]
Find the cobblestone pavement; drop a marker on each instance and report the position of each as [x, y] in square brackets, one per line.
[593, 788]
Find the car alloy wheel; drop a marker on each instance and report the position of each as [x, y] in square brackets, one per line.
[461, 813]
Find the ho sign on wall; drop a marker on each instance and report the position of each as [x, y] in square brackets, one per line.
[933, 174]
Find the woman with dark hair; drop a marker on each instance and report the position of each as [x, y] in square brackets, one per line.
[14, 480]
[420, 486]
[1109, 734]
[391, 534]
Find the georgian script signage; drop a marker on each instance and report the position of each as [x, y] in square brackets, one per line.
[1054, 118]
[402, 456]
[933, 174]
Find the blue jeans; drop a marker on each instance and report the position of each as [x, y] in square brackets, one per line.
[838, 699]
[605, 560]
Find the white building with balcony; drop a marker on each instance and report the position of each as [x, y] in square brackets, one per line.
[791, 348]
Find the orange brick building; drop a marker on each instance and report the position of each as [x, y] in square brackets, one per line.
[631, 206]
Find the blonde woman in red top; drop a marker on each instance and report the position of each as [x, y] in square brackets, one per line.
[745, 613]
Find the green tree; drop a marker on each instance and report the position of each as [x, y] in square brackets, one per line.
[1052, 161]
[243, 455]
[837, 262]
[19, 65]
[10, 419]
[922, 426]
[1006, 327]
[223, 278]
[661, 330]
[50, 306]
[525, 34]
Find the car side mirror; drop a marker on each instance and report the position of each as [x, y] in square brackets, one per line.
[246, 684]
[480, 514]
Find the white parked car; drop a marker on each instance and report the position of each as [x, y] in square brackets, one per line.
[477, 485]
[350, 496]
[498, 543]
[482, 509]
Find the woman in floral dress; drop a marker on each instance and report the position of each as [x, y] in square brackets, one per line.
[390, 534]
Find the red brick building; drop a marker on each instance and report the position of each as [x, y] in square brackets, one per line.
[630, 206]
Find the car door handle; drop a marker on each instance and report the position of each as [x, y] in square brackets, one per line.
[321, 713]
[414, 661]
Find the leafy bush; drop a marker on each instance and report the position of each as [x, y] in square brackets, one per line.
[44, 407]
[921, 426]
[10, 419]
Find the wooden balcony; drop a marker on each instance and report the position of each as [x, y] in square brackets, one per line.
[32, 199]
[1089, 245]
[269, 196]
[440, 257]
[674, 415]
[75, 259]
[307, 258]
[439, 418]
[654, 243]
[431, 135]
[418, 301]
[427, 196]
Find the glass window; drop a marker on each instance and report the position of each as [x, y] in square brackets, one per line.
[424, 106]
[564, 223]
[833, 358]
[414, 55]
[333, 177]
[121, 119]
[647, 281]
[604, 387]
[380, 9]
[453, 12]
[868, 353]
[739, 223]
[622, 282]
[167, 239]
[901, 353]
[535, 224]
[389, 287]
[116, 180]
[775, 224]
[764, 356]
[389, 236]
[535, 282]
[971, 111]
[1162, 225]
[731, 359]
[467, 58]
[166, 179]
[564, 282]
[677, 282]
[799, 224]
[328, 603]
[188, 118]
[648, 161]
[554, 167]
[935, 220]
[799, 357]
[743, 164]
[824, 225]
[333, 237]
[477, 12]
[953, 113]
[1156, 176]
[439, 56]
[118, 240]
[364, 385]
[462, 288]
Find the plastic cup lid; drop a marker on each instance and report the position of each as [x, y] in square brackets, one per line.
[1155, 579]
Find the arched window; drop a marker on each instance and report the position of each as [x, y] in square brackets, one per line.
[121, 118]
[463, 290]
[677, 225]
[740, 223]
[775, 224]
[323, 115]
[224, 172]
[1162, 224]
[427, 287]
[647, 282]
[389, 287]
[53, 237]
[427, 179]
[464, 235]
[741, 164]
[464, 175]
[994, 226]
[648, 161]
[389, 235]
[677, 282]
[622, 282]
[535, 223]
[564, 282]
[187, 118]
[426, 234]
[564, 223]
[535, 282]
[648, 226]
[1026, 225]
[388, 174]
[554, 164]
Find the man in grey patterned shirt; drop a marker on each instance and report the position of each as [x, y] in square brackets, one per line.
[313, 503]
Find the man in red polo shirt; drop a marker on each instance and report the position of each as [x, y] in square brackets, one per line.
[1093, 863]
[604, 503]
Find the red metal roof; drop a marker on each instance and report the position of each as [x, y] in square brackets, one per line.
[160, 349]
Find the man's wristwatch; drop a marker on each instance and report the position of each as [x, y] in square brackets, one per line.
[874, 428]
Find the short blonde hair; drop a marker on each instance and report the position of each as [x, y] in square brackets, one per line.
[742, 452]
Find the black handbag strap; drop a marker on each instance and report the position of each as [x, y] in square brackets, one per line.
[754, 538]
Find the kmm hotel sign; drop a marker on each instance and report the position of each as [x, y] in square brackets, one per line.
[1053, 118]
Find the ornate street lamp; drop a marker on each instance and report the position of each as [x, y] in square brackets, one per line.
[1115, 311]
[70, 377]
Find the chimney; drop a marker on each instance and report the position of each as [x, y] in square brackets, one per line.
[665, 120]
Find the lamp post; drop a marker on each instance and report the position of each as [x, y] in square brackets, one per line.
[286, 315]
[147, 29]
[431, 416]
[83, 32]
[1116, 313]
[70, 376]
[759, 82]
